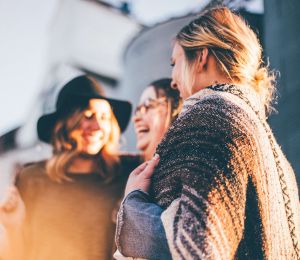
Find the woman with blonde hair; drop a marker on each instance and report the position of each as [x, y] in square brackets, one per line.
[222, 187]
[67, 203]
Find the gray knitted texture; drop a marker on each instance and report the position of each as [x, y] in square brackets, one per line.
[234, 193]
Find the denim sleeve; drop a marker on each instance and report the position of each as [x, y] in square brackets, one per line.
[140, 231]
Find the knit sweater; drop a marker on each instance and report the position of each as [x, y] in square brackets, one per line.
[73, 220]
[227, 189]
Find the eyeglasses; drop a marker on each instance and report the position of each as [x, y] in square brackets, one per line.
[149, 104]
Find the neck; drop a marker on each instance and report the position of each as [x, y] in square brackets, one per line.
[146, 156]
[210, 75]
[82, 164]
[213, 81]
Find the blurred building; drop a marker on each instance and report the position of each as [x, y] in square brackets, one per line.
[94, 37]
[85, 36]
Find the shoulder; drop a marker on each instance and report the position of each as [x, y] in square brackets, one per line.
[210, 126]
[32, 181]
[215, 107]
[31, 169]
[31, 173]
[216, 113]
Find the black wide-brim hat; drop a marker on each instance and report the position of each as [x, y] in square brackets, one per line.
[76, 94]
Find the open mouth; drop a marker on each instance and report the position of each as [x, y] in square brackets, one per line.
[94, 136]
[142, 130]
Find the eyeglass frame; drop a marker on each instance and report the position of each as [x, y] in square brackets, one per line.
[149, 104]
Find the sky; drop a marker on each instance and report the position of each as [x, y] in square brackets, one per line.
[24, 37]
[152, 11]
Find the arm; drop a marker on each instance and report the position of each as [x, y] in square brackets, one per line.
[140, 232]
[197, 228]
[210, 157]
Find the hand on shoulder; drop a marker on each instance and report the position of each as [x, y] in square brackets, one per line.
[140, 178]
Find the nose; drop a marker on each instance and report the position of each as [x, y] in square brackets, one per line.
[95, 124]
[139, 112]
[173, 85]
[137, 117]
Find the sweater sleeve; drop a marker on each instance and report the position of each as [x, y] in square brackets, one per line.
[209, 158]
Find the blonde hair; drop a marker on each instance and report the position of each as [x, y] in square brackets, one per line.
[234, 46]
[65, 149]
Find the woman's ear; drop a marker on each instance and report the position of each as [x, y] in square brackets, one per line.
[202, 60]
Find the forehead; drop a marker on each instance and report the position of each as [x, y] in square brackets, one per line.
[177, 51]
[148, 93]
[100, 105]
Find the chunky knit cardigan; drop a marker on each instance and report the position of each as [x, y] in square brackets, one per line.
[226, 187]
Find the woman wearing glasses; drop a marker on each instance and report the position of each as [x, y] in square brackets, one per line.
[159, 106]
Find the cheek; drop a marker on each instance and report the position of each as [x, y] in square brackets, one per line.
[148, 119]
[175, 74]
[83, 124]
[107, 128]
[145, 119]
[159, 124]
[157, 133]
[75, 135]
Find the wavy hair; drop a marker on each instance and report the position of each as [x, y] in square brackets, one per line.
[65, 149]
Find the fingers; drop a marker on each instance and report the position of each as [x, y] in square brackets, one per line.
[149, 169]
[139, 169]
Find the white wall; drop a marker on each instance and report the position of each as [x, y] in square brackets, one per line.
[23, 37]
[90, 35]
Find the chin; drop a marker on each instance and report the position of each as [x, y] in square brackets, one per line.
[147, 152]
[93, 150]
[141, 146]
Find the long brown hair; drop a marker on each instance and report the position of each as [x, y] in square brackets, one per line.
[234, 46]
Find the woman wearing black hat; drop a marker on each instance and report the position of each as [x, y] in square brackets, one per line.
[71, 198]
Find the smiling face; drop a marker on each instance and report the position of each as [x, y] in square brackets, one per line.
[150, 121]
[94, 128]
